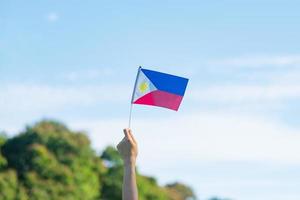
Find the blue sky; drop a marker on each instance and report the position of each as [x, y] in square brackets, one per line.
[237, 132]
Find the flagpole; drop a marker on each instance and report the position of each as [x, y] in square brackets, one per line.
[132, 97]
[130, 113]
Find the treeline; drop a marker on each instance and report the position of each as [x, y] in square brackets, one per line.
[50, 162]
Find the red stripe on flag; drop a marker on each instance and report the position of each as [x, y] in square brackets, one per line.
[161, 99]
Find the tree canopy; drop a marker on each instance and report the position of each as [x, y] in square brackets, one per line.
[48, 161]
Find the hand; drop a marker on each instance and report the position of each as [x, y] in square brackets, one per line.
[128, 148]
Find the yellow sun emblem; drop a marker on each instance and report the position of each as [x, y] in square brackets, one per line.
[143, 86]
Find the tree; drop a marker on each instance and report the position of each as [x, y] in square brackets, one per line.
[3, 161]
[48, 161]
[54, 163]
[179, 191]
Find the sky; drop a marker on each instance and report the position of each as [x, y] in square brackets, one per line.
[237, 132]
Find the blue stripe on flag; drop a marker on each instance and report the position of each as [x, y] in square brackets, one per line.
[167, 82]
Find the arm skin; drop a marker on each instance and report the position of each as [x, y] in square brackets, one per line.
[128, 150]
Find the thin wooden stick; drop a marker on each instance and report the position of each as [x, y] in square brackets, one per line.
[130, 114]
[132, 97]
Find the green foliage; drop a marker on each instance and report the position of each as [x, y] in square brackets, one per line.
[3, 161]
[10, 189]
[112, 182]
[111, 156]
[50, 162]
[217, 198]
[54, 163]
[149, 189]
[8, 185]
[179, 191]
[3, 138]
[112, 185]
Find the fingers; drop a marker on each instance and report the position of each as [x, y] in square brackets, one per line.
[129, 136]
[124, 140]
[126, 133]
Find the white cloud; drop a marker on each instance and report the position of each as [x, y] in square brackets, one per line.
[170, 145]
[53, 17]
[167, 146]
[259, 61]
[287, 77]
[262, 86]
[89, 74]
[246, 93]
[202, 137]
[42, 98]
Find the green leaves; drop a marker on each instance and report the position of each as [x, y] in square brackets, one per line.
[54, 162]
[50, 162]
[180, 191]
[8, 185]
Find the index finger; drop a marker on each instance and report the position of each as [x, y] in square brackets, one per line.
[127, 135]
[131, 135]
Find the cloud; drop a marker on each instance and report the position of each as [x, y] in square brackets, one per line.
[236, 93]
[256, 86]
[202, 137]
[243, 146]
[287, 77]
[53, 17]
[259, 61]
[43, 98]
[169, 145]
[89, 74]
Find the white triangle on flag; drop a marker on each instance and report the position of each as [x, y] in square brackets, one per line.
[143, 86]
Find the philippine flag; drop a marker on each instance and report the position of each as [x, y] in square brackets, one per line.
[158, 89]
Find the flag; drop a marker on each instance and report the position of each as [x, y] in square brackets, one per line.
[158, 89]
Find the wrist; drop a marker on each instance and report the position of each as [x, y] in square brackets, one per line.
[130, 162]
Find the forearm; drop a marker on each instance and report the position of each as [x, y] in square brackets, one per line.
[129, 182]
[129, 151]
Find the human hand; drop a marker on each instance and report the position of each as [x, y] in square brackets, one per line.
[128, 148]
